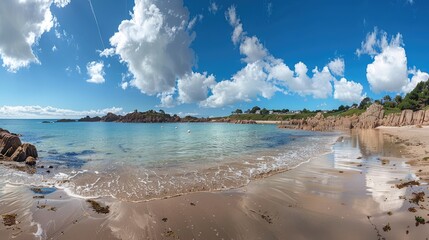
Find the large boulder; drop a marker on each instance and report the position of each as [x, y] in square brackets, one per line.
[372, 117]
[8, 143]
[19, 155]
[11, 148]
[30, 150]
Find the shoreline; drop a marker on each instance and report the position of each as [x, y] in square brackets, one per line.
[267, 208]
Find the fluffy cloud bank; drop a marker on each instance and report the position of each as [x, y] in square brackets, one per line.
[264, 75]
[38, 112]
[389, 71]
[155, 45]
[22, 23]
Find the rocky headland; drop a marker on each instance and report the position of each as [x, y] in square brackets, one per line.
[150, 116]
[373, 117]
[12, 149]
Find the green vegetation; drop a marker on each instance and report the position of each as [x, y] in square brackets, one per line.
[416, 99]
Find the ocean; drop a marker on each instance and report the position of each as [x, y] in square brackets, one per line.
[143, 161]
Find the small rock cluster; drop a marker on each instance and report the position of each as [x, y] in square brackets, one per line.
[12, 149]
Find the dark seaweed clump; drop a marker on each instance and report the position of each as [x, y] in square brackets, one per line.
[97, 207]
[9, 219]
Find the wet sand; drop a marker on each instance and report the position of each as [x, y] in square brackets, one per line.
[347, 194]
[416, 142]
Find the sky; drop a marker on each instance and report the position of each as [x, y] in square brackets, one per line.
[72, 58]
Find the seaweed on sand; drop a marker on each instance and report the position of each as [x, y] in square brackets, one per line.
[97, 207]
[418, 197]
[9, 219]
[406, 184]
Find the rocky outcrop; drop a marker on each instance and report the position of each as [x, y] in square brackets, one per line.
[11, 148]
[65, 120]
[245, 122]
[110, 117]
[373, 117]
[9, 142]
[89, 119]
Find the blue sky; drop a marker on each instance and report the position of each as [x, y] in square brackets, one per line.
[183, 56]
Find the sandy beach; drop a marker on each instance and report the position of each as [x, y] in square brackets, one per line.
[349, 193]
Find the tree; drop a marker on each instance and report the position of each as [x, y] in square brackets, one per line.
[366, 102]
[398, 99]
[418, 98]
[341, 108]
[161, 111]
[264, 111]
[305, 110]
[238, 111]
[387, 98]
[254, 109]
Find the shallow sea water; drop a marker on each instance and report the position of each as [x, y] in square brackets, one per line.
[138, 162]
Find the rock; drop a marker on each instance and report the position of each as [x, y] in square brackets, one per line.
[90, 119]
[65, 120]
[30, 161]
[372, 117]
[418, 117]
[406, 117]
[426, 118]
[110, 117]
[11, 148]
[30, 150]
[19, 155]
[8, 143]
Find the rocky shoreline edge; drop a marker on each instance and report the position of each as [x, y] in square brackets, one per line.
[13, 150]
[372, 118]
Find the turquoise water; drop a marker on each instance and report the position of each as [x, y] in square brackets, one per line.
[143, 161]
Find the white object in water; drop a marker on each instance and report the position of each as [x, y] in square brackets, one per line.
[189, 131]
[175, 127]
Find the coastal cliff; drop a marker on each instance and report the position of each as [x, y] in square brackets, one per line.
[373, 117]
[12, 149]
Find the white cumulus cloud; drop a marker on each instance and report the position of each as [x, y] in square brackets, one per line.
[22, 23]
[155, 45]
[38, 112]
[348, 91]
[247, 84]
[252, 49]
[167, 100]
[194, 87]
[95, 72]
[389, 70]
[337, 66]
[417, 76]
